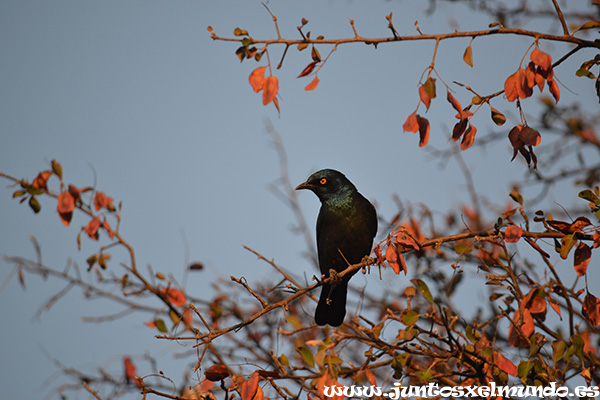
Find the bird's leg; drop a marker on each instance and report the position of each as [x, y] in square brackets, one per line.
[335, 280]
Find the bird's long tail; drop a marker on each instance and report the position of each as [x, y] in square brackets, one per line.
[334, 312]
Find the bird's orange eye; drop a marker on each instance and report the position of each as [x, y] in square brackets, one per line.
[323, 181]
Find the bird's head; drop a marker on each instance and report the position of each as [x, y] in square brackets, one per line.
[328, 184]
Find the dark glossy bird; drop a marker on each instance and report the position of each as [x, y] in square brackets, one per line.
[346, 226]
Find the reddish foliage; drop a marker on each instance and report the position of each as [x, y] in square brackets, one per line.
[175, 296]
[92, 228]
[513, 234]
[216, 372]
[591, 309]
[41, 181]
[581, 259]
[101, 201]
[65, 207]
[313, 84]
[130, 371]
[504, 363]
[257, 79]
[270, 89]
[411, 124]
[425, 98]
[423, 130]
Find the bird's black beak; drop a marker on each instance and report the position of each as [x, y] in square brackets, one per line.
[305, 185]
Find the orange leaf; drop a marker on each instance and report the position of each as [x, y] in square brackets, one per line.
[270, 89]
[468, 138]
[40, 182]
[423, 131]
[250, 387]
[541, 59]
[510, 87]
[92, 228]
[175, 296]
[554, 304]
[454, 102]
[65, 207]
[504, 364]
[106, 226]
[101, 201]
[425, 98]
[411, 124]
[75, 192]
[130, 372]
[313, 84]
[392, 258]
[553, 87]
[513, 234]
[370, 377]
[522, 82]
[583, 253]
[257, 79]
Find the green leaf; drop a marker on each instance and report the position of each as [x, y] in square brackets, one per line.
[306, 355]
[585, 72]
[472, 334]
[409, 317]
[486, 352]
[284, 360]
[516, 196]
[463, 248]
[579, 344]
[161, 326]
[57, 168]
[240, 32]
[558, 350]
[523, 370]
[34, 204]
[589, 25]
[586, 195]
[567, 243]
[424, 289]
[425, 375]
[429, 87]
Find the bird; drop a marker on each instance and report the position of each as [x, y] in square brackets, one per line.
[346, 227]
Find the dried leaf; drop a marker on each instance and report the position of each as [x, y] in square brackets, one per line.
[468, 138]
[392, 258]
[270, 89]
[553, 87]
[175, 296]
[216, 372]
[313, 84]
[101, 201]
[411, 124]
[130, 371]
[513, 234]
[454, 102]
[459, 129]
[423, 131]
[308, 69]
[92, 228]
[581, 259]
[250, 387]
[257, 79]
[591, 309]
[504, 363]
[65, 207]
[541, 59]
[498, 118]
[468, 56]
[424, 96]
[510, 87]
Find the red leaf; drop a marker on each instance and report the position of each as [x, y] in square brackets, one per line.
[40, 182]
[392, 258]
[579, 224]
[530, 136]
[560, 226]
[379, 255]
[411, 124]
[257, 79]
[313, 84]
[423, 131]
[583, 253]
[541, 59]
[454, 102]
[75, 193]
[250, 387]
[504, 363]
[510, 87]
[424, 96]
[468, 138]
[92, 228]
[270, 89]
[513, 234]
[459, 129]
[130, 371]
[216, 372]
[101, 201]
[591, 309]
[370, 377]
[523, 88]
[106, 226]
[65, 207]
[175, 296]
[553, 87]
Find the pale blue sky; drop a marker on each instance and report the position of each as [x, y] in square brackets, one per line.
[136, 95]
